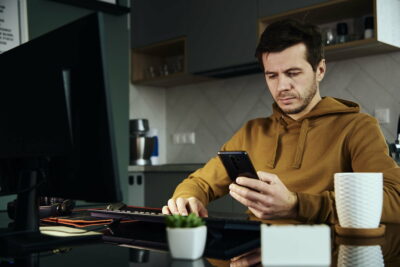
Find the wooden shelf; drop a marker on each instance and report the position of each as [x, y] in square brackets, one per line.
[357, 48]
[162, 64]
[340, 10]
[334, 10]
[97, 6]
[172, 80]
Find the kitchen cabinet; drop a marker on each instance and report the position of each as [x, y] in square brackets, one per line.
[273, 7]
[221, 36]
[162, 64]
[152, 189]
[217, 39]
[157, 21]
[158, 41]
[386, 17]
[213, 39]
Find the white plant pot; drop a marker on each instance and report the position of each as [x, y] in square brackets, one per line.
[187, 243]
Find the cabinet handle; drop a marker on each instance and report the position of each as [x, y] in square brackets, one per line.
[139, 179]
[131, 181]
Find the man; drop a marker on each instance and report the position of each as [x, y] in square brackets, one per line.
[300, 146]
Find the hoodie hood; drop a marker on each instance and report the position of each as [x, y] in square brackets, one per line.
[327, 106]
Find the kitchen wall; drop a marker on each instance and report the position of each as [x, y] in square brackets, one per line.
[215, 110]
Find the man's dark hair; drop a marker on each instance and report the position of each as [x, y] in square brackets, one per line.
[282, 34]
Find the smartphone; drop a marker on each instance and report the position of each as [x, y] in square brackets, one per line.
[237, 163]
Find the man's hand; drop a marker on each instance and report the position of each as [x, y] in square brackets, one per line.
[267, 198]
[184, 206]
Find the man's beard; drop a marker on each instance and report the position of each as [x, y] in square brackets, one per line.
[306, 99]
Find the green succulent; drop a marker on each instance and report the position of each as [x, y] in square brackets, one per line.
[179, 221]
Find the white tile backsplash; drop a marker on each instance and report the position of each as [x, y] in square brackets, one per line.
[215, 110]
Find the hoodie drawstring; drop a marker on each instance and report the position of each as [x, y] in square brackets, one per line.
[301, 144]
[278, 130]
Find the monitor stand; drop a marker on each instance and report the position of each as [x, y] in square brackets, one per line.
[24, 239]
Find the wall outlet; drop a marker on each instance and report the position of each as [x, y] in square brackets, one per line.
[184, 138]
[191, 138]
[176, 138]
[382, 115]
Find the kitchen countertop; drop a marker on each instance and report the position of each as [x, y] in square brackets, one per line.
[187, 167]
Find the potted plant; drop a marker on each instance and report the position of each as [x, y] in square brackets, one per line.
[186, 236]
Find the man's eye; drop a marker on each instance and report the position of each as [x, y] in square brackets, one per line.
[293, 74]
[271, 76]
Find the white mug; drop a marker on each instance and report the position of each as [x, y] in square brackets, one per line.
[359, 199]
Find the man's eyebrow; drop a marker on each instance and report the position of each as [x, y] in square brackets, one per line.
[287, 70]
[293, 69]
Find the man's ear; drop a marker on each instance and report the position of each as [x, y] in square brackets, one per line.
[321, 69]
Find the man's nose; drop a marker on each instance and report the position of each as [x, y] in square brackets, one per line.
[283, 83]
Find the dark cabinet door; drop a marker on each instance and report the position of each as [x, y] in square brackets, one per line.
[154, 21]
[221, 34]
[272, 7]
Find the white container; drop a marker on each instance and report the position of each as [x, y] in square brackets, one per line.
[359, 199]
[187, 243]
[295, 245]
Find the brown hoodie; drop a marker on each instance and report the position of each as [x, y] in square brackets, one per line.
[333, 137]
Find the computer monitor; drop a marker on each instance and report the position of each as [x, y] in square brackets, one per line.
[56, 128]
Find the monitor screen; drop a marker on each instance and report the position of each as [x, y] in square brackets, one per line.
[56, 116]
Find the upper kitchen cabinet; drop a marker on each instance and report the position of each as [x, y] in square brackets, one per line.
[273, 7]
[221, 37]
[154, 21]
[178, 42]
[158, 30]
[350, 28]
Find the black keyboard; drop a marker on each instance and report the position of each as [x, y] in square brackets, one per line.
[218, 221]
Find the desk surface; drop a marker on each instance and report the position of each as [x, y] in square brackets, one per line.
[107, 254]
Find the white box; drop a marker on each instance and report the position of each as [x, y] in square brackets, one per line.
[295, 245]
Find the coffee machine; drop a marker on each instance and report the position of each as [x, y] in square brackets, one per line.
[141, 145]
